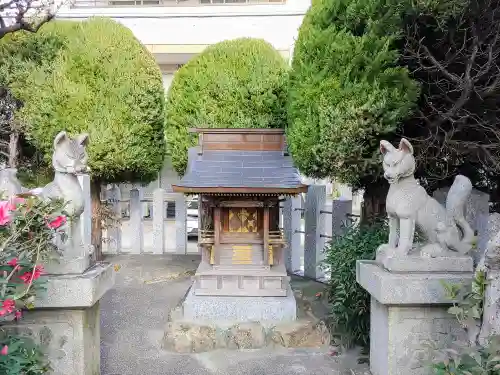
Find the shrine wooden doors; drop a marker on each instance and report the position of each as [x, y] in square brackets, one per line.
[242, 220]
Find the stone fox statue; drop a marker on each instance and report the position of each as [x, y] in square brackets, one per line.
[69, 160]
[408, 205]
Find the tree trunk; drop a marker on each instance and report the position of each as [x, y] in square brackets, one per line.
[374, 202]
[13, 149]
[95, 191]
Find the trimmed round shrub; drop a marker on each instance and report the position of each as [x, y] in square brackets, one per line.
[350, 314]
[346, 90]
[98, 78]
[239, 83]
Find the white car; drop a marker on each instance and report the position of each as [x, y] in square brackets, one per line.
[192, 217]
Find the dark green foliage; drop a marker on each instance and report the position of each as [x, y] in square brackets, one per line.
[350, 313]
[25, 356]
[346, 90]
[454, 53]
[473, 357]
[96, 77]
[238, 83]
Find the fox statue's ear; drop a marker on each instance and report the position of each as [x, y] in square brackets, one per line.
[406, 146]
[83, 139]
[60, 137]
[386, 147]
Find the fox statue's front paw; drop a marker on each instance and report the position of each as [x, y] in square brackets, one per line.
[387, 251]
[434, 250]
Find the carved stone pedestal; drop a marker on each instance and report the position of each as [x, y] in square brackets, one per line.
[66, 320]
[246, 281]
[408, 310]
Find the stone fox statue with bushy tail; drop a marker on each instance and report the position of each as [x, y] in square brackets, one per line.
[408, 206]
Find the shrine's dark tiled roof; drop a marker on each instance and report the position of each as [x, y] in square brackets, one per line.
[240, 169]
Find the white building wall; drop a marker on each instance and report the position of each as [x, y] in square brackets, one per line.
[167, 80]
[204, 25]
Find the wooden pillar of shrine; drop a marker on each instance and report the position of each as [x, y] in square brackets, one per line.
[265, 224]
[217, 229]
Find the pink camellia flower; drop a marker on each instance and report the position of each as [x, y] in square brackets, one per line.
[4, 212]
[14, 201]
[18, 314]
[27, 277]
[7, 307]
[12, 262]
[5, 350]
[57, 222]
[6, 207]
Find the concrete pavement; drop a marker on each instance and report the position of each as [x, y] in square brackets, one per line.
[134, 315]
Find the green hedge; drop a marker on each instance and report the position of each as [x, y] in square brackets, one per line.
[239, 83]
[96, 77]
[350, 314]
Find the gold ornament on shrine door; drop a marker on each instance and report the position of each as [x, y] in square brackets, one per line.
[243, 220]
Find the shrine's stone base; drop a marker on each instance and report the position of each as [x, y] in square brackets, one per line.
[204, 323]
[240, 309]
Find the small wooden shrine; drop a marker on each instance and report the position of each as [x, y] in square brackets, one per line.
[240, 176]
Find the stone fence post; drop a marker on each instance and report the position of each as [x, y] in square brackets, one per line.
[314, 243]
[180, 224]
[159, 214]
[136, 224]
[341, 209]
[291, 228]
[114, 233]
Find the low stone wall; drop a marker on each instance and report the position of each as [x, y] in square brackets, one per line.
[190, 337]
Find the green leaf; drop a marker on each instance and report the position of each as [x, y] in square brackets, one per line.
[455, 310]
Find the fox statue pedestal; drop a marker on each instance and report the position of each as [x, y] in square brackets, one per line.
[414, 262]
[408, 299]
[407, 311]
[66, 317]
